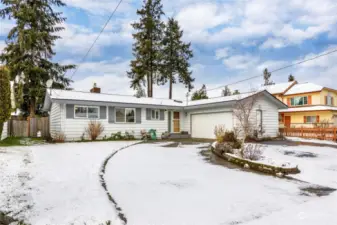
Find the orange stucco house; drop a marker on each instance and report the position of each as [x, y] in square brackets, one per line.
[308, 104]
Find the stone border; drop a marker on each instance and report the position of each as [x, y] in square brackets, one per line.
[257, 166]
[119, 210]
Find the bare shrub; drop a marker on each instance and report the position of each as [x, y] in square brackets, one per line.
[322, 124]
[243, 111]
[219, 132]
[252, 152]
[59, 137]
[95, 128]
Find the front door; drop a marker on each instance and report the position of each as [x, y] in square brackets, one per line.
[287, 121]
[176, 122]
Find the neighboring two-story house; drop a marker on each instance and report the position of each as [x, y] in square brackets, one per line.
[308, 104]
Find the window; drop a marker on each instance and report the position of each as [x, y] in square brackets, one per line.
[91, 112]
[296, 101]
[80, 112]
[329, 100]
[125, 115]
[310, 119]
[154, 114]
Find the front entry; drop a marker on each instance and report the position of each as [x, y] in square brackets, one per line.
[287, 121]
[176, 122]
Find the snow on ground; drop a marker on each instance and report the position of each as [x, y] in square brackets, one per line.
[56, 184]
[176, 186]
[311, 140]
[318, 165]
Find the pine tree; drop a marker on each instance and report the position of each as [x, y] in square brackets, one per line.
[266, 76]
[175, 57]
[29, 49]
[200, 94]
[140, 92]
[5, 97]
[236, 92]
[291, 78]
[149, 29]
[226, 91]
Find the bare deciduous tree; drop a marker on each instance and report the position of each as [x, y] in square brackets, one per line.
[243, 112]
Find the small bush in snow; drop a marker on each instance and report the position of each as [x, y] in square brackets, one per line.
[252, 152]
[219, 132]
[94, 129]
[59, 137]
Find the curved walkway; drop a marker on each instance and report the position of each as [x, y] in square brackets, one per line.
[119, 210]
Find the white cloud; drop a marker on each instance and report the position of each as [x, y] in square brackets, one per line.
[239, 62]
[222, 53]
[283, 22]
[2, 46]
[99, 6]
[77, 39]
[273, 43]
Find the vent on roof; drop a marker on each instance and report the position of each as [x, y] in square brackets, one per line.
[178, 101]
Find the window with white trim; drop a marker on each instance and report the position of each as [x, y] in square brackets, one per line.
[311, 119]
[297, 101]
[125, 115]
[154, 114]
[91, 112]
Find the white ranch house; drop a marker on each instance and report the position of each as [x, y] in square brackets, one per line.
[70, 112]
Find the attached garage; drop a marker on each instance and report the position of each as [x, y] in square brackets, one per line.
[202, 125]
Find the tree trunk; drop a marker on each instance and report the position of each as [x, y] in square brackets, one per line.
[32, 107]
[1, 127]
[170, 90]
[148, 86]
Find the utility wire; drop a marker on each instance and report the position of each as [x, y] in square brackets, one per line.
[273, 71]
[93, 44]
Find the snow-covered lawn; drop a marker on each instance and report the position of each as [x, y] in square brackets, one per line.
[156, 185]
[173, 186]
[56, 184]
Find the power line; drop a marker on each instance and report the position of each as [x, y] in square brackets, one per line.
[273, 71]
[93, 44]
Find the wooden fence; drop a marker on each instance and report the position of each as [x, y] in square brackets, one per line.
[29, 127]
[313, 133]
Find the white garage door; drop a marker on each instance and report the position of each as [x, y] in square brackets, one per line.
[203, 124]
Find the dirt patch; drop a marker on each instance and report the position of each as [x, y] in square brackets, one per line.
[316, 190]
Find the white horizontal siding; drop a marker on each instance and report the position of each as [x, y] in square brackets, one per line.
[4, 131]
[74, 128]
[55, 119]
[187, 116]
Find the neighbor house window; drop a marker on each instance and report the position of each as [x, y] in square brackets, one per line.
[310, 119]
[297, 101]
[154, 114]
[125, 115]
[91, 112]
[329, 100]
[259, 119]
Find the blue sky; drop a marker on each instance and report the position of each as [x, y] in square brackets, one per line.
[231, 40]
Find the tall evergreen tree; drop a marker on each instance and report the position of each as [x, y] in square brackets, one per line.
[149, 29]
[226, 92]
[5, 97]
[200, 94]
[175, 57]
[266, 77]
[291, 78]
[29, 49]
